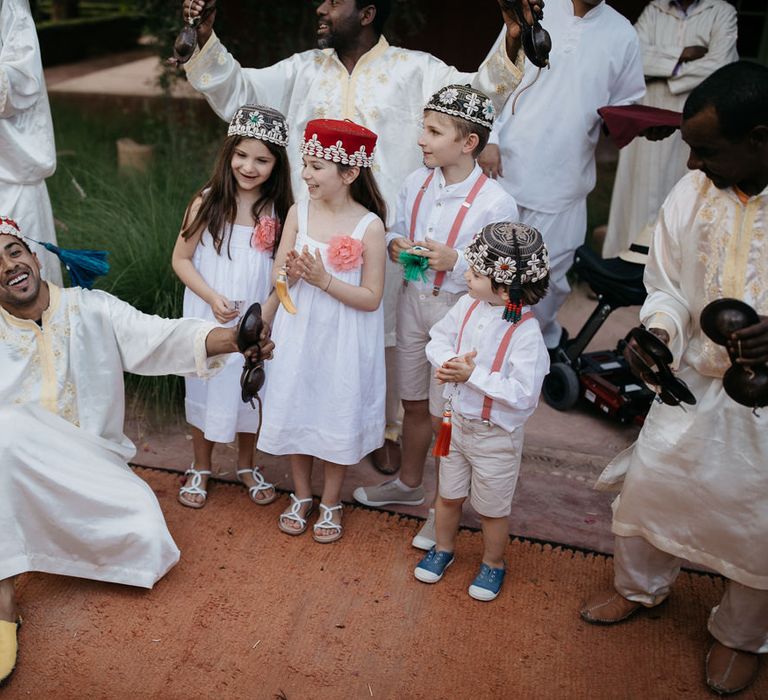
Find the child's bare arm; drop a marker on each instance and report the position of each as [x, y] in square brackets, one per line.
[367, 295]
[181, 261]
[287, 244]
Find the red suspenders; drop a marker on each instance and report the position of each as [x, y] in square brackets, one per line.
[501, 353]
[454, 233]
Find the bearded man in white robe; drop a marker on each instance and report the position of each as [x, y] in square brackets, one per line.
[27, 150]
[355, 74]
[69, 503]
[682, 42]
[695, 484]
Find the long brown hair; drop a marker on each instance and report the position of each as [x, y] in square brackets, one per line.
[365, 191]
[219, 195]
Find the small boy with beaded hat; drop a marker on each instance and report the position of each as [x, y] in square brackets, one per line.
[440, 207]
[491, 358]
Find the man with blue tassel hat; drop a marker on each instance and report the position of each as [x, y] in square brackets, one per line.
[69, 504]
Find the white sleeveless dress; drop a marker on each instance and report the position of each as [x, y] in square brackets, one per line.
[214, 405]
[324, 392]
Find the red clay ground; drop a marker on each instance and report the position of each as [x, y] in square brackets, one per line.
[250, 613]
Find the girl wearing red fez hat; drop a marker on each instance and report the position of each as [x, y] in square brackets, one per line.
[324, 392]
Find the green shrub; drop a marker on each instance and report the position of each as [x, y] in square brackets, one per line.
[71, 40]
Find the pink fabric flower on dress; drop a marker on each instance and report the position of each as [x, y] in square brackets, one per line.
[264, 233]
[345, 253]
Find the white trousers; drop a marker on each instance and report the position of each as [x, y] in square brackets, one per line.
[562, 232]
[70, 505]
[645, 574]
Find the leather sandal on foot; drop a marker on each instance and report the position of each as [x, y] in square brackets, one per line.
[324, 522]
[730, 670]
[9, 648]
[294, 514]
[260, 485]
[195, 488]
[608, 607]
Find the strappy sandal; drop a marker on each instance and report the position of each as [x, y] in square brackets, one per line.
[325, 522]
[260, 485]
[195, 488]
[293, 514]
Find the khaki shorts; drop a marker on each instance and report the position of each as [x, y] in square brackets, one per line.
[483, 464]
[417, 311]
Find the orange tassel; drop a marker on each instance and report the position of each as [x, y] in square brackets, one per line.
[443, 443]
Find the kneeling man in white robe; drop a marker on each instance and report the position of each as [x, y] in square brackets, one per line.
[696, 481]
[69, 503]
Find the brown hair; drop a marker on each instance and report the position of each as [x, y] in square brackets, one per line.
[365, 191]
[219, 196]
[533, 292]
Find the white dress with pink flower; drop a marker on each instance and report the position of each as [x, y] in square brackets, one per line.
[242, 273]
[324, 393]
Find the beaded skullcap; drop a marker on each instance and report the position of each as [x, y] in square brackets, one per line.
[9, 226]
[340, 141]
[509, 253]
[464, 102]
[259, 122]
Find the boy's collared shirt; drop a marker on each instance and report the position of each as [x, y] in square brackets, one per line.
[515, 389]
[439, 208]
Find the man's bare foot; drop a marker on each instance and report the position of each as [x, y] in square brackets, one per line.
[8, 610]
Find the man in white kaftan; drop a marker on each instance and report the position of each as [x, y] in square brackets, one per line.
[27, 150]
[682, 42]
[379, 86]
[542, 148]
[69, 503]
[695, 484]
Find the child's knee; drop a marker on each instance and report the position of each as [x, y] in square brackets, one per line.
[451, 503]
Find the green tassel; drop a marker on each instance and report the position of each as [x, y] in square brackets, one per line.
[414, 266]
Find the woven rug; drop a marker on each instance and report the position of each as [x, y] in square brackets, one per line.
[252, 613]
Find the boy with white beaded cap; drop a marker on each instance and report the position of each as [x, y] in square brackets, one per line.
[491, 358]
[440, 207]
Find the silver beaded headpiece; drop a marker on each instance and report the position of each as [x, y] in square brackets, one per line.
[465, 102]
[258, 122]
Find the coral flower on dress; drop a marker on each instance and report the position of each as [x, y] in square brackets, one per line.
[264, 233]
[345, 253]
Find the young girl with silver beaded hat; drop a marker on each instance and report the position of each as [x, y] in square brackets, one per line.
[489, 352]
[324, 392]
[223, 255]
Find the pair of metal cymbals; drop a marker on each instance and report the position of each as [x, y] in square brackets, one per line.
[745, 384]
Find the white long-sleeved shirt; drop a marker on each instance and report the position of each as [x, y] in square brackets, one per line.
[439, 208]
[515, 389]
[548, 144]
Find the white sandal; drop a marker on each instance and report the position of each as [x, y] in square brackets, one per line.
[261, 485]
[195, 488]
[293, 514]
[325, 522]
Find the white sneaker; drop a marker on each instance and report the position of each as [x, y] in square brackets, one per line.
[388, 493]
[426, 539]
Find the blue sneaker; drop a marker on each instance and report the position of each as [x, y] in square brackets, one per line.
[432, 567]
[487, 583]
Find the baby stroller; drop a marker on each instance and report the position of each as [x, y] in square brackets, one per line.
[602, 378]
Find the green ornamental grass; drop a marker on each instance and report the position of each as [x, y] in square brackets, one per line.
[135, 216]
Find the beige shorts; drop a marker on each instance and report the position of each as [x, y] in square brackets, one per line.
[483, 464]
[417, 311]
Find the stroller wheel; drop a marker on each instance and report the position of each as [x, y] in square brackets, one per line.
[561, 387]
